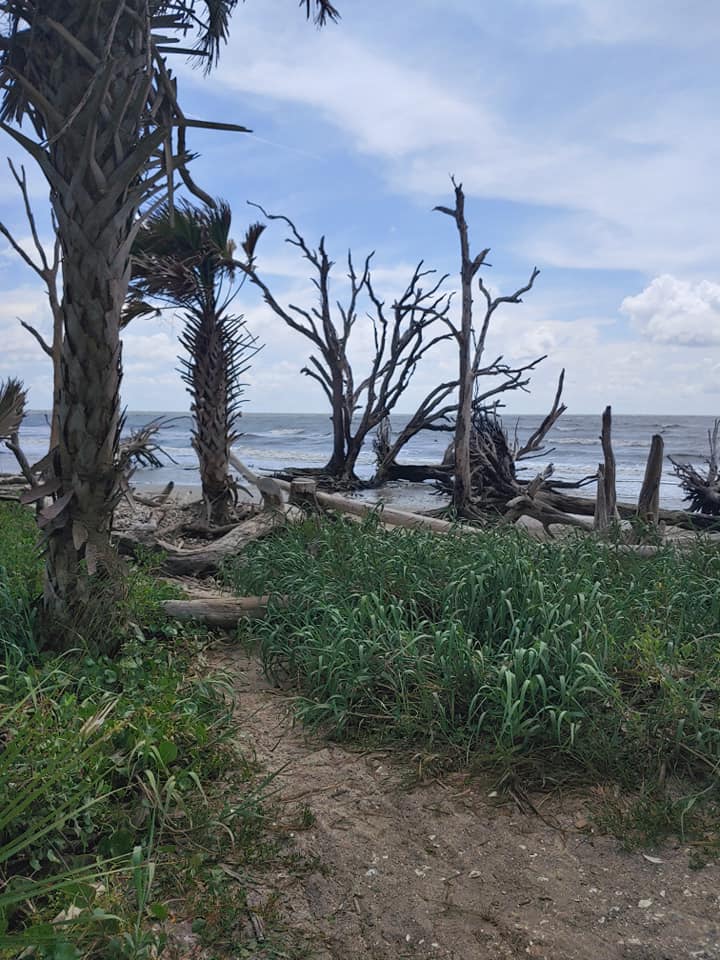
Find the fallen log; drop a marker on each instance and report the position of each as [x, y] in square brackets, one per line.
[389, 515]
[224, 612]
[543, 513]
[417, 472]
[586, 508]
[205, 560]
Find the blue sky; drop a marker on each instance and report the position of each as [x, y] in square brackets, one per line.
[584, 132]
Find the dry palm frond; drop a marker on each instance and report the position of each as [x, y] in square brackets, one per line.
[12, 407]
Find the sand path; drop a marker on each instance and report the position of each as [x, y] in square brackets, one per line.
[446, 871]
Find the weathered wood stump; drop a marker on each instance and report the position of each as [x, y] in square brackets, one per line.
[649, 500]
[303, 494]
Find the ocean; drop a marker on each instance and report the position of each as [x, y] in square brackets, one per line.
[271, 441]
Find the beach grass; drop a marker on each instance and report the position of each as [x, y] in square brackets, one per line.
[120, 785]
[553, 661]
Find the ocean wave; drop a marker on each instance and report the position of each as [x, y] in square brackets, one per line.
[286, 433]
[593, 442]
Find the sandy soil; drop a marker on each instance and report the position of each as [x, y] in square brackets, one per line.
[447, 871]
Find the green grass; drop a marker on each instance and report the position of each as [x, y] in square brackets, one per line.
[551, 659]
[120, 785]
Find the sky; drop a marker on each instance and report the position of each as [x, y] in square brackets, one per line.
[584, 132]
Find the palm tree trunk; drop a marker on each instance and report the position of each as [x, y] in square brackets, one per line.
[94, 159]
[88, 417]
[208, 380]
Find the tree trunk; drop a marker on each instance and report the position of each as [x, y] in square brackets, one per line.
[462, 486]
[95, 283]
[354, 450]
[608, 479]
[212, 434]
[57, 370]
[95, 153]
[336, 465]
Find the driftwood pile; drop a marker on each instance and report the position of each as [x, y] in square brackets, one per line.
[543, 501]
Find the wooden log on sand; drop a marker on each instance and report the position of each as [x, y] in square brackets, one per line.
[389, 515]
[223, 612]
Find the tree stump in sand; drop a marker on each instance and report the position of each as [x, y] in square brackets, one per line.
[649, 500]
[303, 494]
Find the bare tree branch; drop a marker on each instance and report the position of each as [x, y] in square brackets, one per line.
[45, 346]
[535, 441]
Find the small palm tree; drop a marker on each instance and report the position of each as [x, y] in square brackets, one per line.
[183, 256]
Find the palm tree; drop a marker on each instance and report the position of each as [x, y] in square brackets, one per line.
[183, 256]
[88, 93]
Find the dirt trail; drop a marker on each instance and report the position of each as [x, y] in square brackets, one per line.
[442, 871]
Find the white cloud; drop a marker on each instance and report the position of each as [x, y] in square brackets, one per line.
[617, 22]
[623, 167]
[673, 311]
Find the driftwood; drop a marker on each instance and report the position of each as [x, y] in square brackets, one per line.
[205, 560]
[12, 487]
[530, 507]
[217, 611]
[585, 507]
[702, 492]
[492, 467]
[303, 494]
[266, 486]
[155, 501]
[389, 515]
[649, 500]
[606, 512]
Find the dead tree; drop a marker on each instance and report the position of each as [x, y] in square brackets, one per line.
[702, 492]
[471, 342]
[403, 334]
[49, 271]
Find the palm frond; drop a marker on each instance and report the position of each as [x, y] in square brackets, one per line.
[181, 256]
[321, 11]
[253, 234]
[211, 29]
[12, 407]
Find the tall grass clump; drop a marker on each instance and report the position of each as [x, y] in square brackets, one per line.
[505, 647]
[20, 581]
[120, 785]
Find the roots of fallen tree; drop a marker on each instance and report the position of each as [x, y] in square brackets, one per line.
[702, 492]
